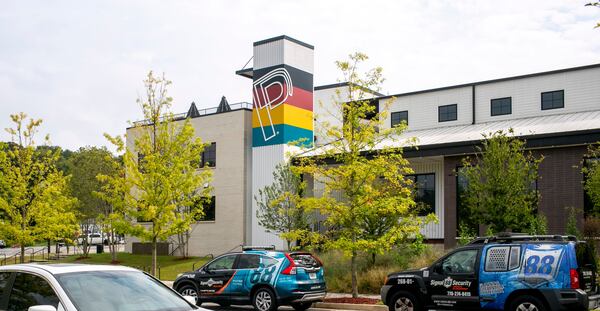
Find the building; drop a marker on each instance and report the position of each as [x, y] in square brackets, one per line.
[557, 112]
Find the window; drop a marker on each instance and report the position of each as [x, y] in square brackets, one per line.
[424, 191]
[209, 155]
[248, 261]
[502, 258]
[460, 262]
[398, 117]
[501, 106]
[30, 290]
[141, 162]
[222, 263]
[447, 113]
[266, 262]
[208, 209]
[553, 100]
[4, 277]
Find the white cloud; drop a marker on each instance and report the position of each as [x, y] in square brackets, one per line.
[79, 65]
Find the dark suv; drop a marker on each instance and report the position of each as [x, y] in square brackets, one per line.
[259, 276]
[513, 272]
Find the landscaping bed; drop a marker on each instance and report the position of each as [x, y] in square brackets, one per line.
[359, 300]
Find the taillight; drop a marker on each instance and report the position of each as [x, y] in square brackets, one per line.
[574, 279]
[291, 269]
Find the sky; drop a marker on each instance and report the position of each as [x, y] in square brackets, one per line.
[79, 65]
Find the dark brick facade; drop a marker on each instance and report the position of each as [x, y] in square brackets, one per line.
[560, 186]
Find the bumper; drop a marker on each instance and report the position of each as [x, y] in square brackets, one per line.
[568, 299]
[308, 296]
[593, 302]
[384, 291]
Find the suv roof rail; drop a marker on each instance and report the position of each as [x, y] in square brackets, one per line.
[258, 247]
[507, 237]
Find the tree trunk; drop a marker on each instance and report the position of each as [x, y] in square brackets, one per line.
[49, 248]
[22, 257]
[113, 247]
[354, 278]
[154, 256]
[373, 255]
[289, 244]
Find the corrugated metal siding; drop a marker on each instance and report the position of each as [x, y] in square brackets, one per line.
[582, 93]
[423, 108]
[268, 54]
[264, 160]
[436, 166]
[298, 57]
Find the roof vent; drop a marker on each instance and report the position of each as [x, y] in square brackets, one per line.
[193, 111]
[223, 105]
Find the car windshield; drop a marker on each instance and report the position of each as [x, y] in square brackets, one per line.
[119, 291]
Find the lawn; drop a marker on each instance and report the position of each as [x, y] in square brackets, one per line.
[170, 266]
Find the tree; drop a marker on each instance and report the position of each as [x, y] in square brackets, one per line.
[591, 169]
[597, 5]
[279, 208]
[161, 181]
[84, 165]
[367, 183]
[34, 195]
[501, 181]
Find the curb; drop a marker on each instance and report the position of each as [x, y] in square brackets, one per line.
[350, 306]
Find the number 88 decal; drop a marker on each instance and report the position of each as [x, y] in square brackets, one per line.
[534, 265]
[263, 275]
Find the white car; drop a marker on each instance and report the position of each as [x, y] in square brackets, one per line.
[92, 239]
[75, 287]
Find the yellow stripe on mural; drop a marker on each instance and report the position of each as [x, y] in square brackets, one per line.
[285, 114]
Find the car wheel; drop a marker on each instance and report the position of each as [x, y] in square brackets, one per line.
[301, 306]
[404, 301]
[264, 300]
[527, 303]
[190, 290]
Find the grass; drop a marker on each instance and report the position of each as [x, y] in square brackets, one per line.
[170, 266]
[371, 277]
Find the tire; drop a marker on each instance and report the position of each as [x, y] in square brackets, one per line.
[404, 301]
[224, 304]
[527, 303]
[264, 300]
[189, 290]
[301, 306]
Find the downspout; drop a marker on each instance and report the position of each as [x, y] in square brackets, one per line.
[473, 101]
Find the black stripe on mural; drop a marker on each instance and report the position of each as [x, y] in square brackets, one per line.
[300, 79]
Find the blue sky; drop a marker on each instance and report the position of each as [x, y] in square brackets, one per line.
[79, 64]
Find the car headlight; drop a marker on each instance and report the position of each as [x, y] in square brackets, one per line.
[178, 275]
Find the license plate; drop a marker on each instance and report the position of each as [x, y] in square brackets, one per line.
[312, 276]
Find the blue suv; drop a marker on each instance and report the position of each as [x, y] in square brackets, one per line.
[511, 272]
[259, 276]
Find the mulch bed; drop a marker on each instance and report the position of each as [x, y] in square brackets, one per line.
[360, 300]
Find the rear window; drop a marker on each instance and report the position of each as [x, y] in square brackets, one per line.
[305, 260]
[585, 255]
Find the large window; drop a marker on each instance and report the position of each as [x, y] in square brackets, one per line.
[447, 113]
[424, 191]
[398, 117]
[209, 155]
[223, 263]
[208, 209]
[501, 106]
[553, 100]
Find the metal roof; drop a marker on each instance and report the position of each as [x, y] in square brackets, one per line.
[544, 125]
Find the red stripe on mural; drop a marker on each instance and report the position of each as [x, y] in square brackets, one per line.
[301, 99]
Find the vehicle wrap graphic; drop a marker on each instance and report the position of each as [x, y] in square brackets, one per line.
[540, 266]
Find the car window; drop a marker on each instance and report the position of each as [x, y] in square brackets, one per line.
[4, 277]
[460, 262]
[248, 261]
[222, 263]
[30, 290]
[266, 262]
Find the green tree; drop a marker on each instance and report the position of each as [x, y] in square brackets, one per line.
[34, 196]
[162, 180]
[367, 184]
[591, 169]
[84, 165]
[501, 181]
[279, 208]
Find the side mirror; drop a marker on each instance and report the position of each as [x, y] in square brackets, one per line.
[190, 299]
[42, 308]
